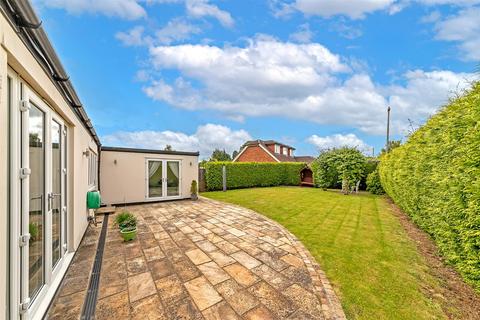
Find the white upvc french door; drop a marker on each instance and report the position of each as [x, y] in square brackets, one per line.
[163, 179]
[38, 217]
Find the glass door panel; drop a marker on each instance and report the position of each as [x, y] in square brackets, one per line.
[36, 214]
[173, 178]
[55, 196]
[155, 179]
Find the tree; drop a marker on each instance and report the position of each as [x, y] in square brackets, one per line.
[391, 145]
[220, 155]
[168, 148]
[339, 167]
[234, 154]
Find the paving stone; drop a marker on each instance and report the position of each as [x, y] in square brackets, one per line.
[227, 247]
[213, 272]
[170, 289]
[206, 246]
[160, 268]
[136, 265]
[245, 259]
[140, 286]
[272, 261]
[273, 299]
[197, 256]
[293, 260]
[259, 313]
[202, 293]
[241, 274]
[305, 300]
[113, 307]
[186, 270]
[220, 311]
[184, 309]
[228, 288]
[67, 307]
[275, 279]
[148, 308]
[153, 253]
[221, 259]
[242, 301]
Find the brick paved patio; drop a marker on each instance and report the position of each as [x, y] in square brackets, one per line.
[199, 260]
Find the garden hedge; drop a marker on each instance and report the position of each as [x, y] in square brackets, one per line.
[252, 174]
[435, 178]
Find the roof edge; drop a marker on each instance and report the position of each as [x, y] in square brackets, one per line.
[138, 150]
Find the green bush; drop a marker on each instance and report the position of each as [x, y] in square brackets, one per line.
[252, 174]
[435, 178]
[373, 183]
[341, 167]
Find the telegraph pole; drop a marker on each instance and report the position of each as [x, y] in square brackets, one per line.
[388, 129]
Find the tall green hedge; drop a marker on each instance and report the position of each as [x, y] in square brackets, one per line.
[435, 178]
[252, 174]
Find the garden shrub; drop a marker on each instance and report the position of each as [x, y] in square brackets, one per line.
[338, 166]
[252, 174]
[435, 178]
[373, 183]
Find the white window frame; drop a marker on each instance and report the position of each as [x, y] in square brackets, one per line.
[92, 170]
[277, 148]
[285, 151]
[18, 289]
[164, 174]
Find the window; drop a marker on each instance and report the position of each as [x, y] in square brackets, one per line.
[285, 151]
[92, 169]
[290, 152]
[277, 148]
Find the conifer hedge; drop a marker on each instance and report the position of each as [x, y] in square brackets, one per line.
[252, 174]
[435, 178]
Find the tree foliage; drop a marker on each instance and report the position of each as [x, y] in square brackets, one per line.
[373, 183]
[435, 178]
[220, 155]
[339, 167]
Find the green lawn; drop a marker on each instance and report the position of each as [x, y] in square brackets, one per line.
[373, 265]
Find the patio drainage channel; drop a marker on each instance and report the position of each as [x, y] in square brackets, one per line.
[88, 311]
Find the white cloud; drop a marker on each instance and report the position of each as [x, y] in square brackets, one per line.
[303, 34]
[464, 29]
[207, 138]
[125, 9]
[338, 141]
[202, 8]
[176, 30]
[295, 81]
[133, 37]
[354, 9]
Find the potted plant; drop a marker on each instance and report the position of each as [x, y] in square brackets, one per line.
[127, 223]
[194, 190]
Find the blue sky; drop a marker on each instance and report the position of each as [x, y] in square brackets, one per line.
[200, 74]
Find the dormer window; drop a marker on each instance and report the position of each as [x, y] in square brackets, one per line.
[290, 152]
[285, 151]
[277, 148]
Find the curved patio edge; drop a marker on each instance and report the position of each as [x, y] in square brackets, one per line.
[331, 305]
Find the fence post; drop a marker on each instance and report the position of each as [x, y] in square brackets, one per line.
[224, 176]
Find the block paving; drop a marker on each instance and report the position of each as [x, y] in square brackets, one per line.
[199, 260]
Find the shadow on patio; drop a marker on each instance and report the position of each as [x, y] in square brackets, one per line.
[198, 260]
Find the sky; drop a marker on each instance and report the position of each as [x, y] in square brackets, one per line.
[315, 74]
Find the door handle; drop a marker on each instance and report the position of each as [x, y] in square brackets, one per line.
[52, 196]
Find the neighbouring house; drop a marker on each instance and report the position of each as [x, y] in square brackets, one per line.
[273, 151]
[269, 151]
[49, 159]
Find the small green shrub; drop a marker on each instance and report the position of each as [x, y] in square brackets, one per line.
[252, 174]
[129, 225]
[435, 178]
[123, 217]
[33, 230]
[194, 187]
[373, 183]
